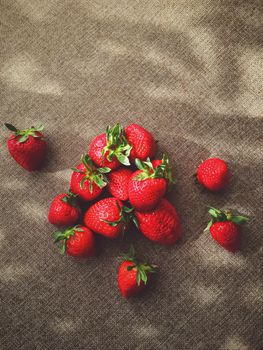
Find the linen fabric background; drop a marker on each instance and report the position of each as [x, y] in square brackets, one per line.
[189, 71]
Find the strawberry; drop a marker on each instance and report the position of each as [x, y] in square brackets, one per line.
[27, 147]
[148, 185]
[224, 228]
[162, 225]
[118, 183]
[64, 210]
[142, 142]
[110, 149]
[76, 241]
[87, 181]
[108, 217]
[213, 174]
[133, 276]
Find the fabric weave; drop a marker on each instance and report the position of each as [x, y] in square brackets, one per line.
[191, 73]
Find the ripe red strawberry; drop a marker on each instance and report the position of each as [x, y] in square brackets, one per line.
[64, 210]
[110, 149]
[87, 181]
[162, 225]
[133, 276]
[148, 185]
[76, 241]
[224, 228]
[142, 142]
[118, 183]
[108, 217]
[27, 147]
[213, 174]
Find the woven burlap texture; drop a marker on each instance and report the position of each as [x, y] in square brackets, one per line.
[189, 71]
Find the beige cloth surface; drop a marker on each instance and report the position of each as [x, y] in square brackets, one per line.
[190, 71]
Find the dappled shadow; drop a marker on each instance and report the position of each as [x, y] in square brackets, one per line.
[76, 67]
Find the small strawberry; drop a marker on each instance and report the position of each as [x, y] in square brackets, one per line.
[142, 142]
[224, 228]
[133, 275]
[148, 185]
[213, 174]
[64, 210]
[161, 225]
[118, 183]
[77, 241]
[110, 149]
[87, 181]
[27, 147]
[108, 217]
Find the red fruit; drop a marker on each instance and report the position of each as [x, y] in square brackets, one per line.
[110, 149]
[27, 147]
[118, 183]
[142, 142]
[64, 210]
[77, 241]
[148, 185]
[224, 228]
[213, 174]
[133, 276]
[162, 225]
[227, 234]
[108, 217]
[87, 181]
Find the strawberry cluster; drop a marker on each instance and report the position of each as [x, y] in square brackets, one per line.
[120, 165]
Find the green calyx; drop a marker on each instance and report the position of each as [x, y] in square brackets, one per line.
[163, 170]
[117, 145]
[142, 269]
[91, 173]
[63, 236]
[218, 215]
[70, 198]
[126, 216]
[24, 134]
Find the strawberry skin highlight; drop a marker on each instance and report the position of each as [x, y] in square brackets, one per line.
[161, 225]
[213, 174]
[142, 142]
[62, 211]
[27, 147]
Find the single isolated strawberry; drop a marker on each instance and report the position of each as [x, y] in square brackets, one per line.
[27, 147]
[110, 149]
[108, 217]
[87, 181]
[142, 142]
[213, 174]
[224, 228]
[148, 185]
[133, 276]
[161, 225]
[76, 241]
[118, 183]
[64, 210]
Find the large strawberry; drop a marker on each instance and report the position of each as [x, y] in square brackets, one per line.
[87, 181]
[213, 174]
[27, 147]
[108, 217]
[64, 210]
[142, 142]
[161, 225]
[133, 275]
[148, 185]
[77, 241]
[118, 183]
[224, 228]
[110, 149]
